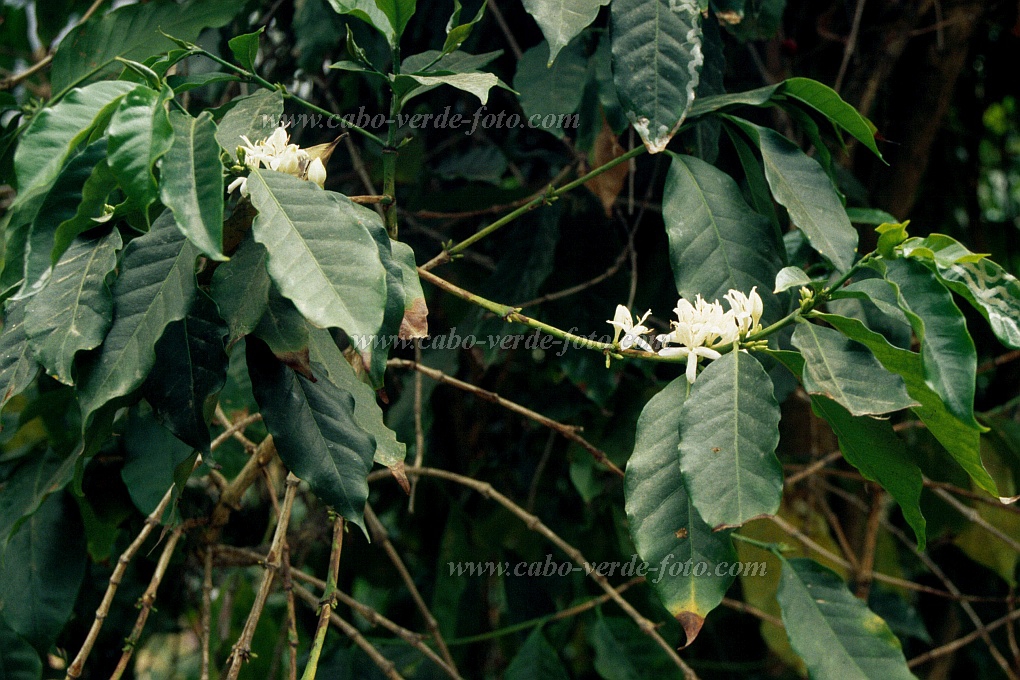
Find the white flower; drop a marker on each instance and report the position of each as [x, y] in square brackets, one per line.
[317, 172]
[747, 310]
[693, 355]
[632, 332]
[277, 153]
[239, 183]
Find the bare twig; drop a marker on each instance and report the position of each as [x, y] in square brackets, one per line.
[851, 45]
[146, 602]
[419, 431]
[867, 562]
[292, 634]
[206, 614]
[739, 606]
[274, 558]
[568, 431]
[975, 517]
[959, 642]
[230, 499]
[503, 26]
[381, 535]
[234, 428]
[328, 602]
[535, 524]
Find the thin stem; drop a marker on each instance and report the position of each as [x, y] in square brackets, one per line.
[328, 602]
[206, 614]
[548, 197]
[389, 157]
[774, 548]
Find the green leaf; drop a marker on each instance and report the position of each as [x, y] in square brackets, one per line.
[246, 48]
[827, 102]
[873, 447]
[656, 63]
[18, 367]
[399, 12]
[56, 130]
[415, 322]
[42, 571]
[74, 311]
[282, 327]
[960, 439]
[155, 288]
[191, 182]
[133, 32]
[300, 226]
[254, 117]
[551, 89]
[947, 350]
[761, 20]
[562, 20]
[834, 632]
[757, 97]
[456, 33]
[985, 285]
[371, 13]
[375, 354]
[716, 241]
[315, 432]
[324, 351]
[475, 83]
[536, 659]
[18, 661]
[455, 62]
[623, 652]
[240, 288]
[729, 430]
[800, 184]
[152, 454]
[757, 185]
[848, 373]
[190, 370]
[139, 134]
[28, 486]
[183, 83]
[890, 235]
[664, 525]
[791, 277]
[869, 216]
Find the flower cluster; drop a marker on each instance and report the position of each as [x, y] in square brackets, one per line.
[277, 153]
[700, 330]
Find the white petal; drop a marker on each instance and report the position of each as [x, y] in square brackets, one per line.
[317, 172]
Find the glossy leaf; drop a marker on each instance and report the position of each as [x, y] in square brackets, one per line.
[152, 455]
[551, 89]
[155, 288]
[562, 20]
[960, 439]
[791, 277]
[42, 571]
[191, 182]
[315, 432]
[457, 33]
[728, 437]
[827, 102]
[536, 659]
[140, 134]
[656, 64]
[240, 288]
[299, 225]
[75, 309]
[254, 116]
[370, 12]
[756, 97]
[834, 632]
[716, 241]
[18, 661]
[133, 32]
[18, 366]
[246, 48]
[664, 525]
[398, 12]
[848, 373]
[56, 130]
[947, 350]
[800, 184]
[476, 83]
[190, 369]
[873, 447]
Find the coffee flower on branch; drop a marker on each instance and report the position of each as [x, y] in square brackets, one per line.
[277, 153]
[701, 328]
[632, 332]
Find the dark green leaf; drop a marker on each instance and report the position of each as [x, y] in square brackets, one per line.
[371, 13]
[536, 659]
[656, 63]
[549, 89]
[191, 182]
[869, 216]
[246, 48]
[300, 226]
[183, 83]
[315, 432]
[761, 20]
[475, 82]
[190, 369]
[26, 489]
[254, 117]
[947, 350]
[757, 185]
[42, 571]
[757, 97]
[74, 311]
[728, 437]
[18, 367]
[399, 12]
[562, 20]
[415, 322]
[240, 288]
[716, 241]
[133, 32]
[873, 447]
[139, 134]
[282, 327]
[961, 440]
[155, 288]
[800, 184]
[664, 525]
[375, 354]
[834, 632]
[18, 661]
[457, 33]
[827, 102]
[152, 456]
[848, 373]
[623, 652]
